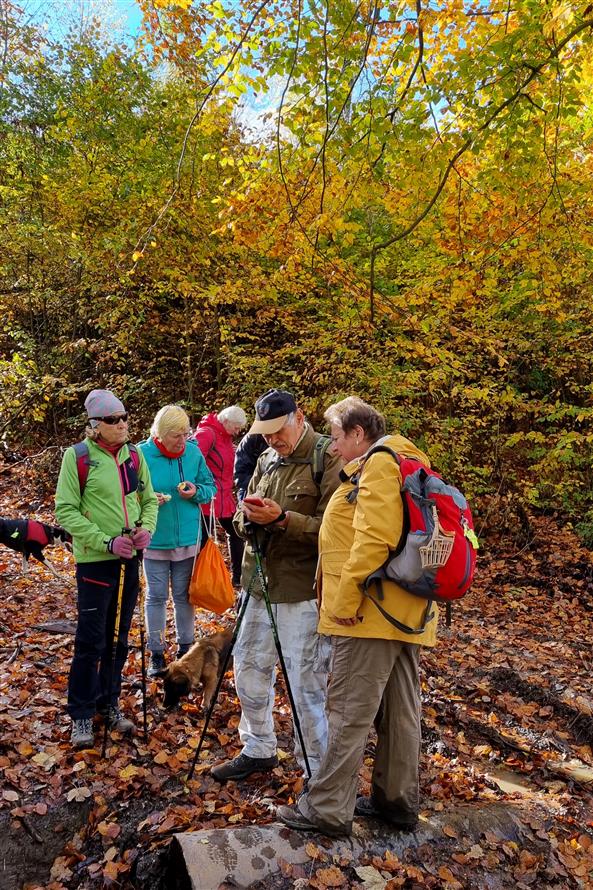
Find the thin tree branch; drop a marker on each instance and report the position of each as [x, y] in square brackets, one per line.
[143, 240]
[533, 73]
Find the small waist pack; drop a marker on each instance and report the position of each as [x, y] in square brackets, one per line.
[435, 557]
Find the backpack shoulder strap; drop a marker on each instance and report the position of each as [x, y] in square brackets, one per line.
[397, 457]
[134, 455]
[81, 450]
[355, 478]
[318, 462]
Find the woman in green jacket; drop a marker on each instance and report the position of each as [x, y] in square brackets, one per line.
[104, 498]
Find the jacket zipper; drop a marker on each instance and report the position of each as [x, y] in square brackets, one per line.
[176, 508]
[123, 494]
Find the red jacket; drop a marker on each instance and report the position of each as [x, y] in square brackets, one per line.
[217, 447]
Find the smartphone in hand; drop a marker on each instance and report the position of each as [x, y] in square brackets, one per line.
[253, 501]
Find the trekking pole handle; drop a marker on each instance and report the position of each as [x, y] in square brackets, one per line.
[138, 524]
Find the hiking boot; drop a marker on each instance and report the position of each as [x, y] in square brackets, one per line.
[117, 721]
[82, 735]
[293, 817]
[183, 649]
[366, 807]
[242, 766]
[156, 664]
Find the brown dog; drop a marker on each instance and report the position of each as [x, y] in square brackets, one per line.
[201, 664]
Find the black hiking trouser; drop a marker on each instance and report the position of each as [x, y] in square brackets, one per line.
[90, 672]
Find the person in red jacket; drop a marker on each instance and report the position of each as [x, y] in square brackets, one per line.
[214, 434]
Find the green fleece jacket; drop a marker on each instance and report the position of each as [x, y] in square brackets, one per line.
[115, 497]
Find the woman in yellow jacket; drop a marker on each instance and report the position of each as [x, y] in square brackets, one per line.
[375, 665]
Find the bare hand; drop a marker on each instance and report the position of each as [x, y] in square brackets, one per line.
[162, 498]
[188, 491]
[262, 515]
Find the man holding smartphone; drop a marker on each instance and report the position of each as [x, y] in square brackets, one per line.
[289, 490]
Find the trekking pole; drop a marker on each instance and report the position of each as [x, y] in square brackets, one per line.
[138, 523]
[242, 610]
[259, 572]
[120, 595]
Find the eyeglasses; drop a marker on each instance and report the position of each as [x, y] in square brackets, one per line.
[113, 419]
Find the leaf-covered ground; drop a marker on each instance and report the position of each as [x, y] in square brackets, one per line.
[508, 717]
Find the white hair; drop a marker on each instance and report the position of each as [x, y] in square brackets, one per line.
[233, 414]
[290, 419]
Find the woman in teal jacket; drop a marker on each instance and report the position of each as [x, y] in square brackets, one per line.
[182, 482]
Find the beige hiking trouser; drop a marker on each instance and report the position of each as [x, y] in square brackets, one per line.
[371, 680]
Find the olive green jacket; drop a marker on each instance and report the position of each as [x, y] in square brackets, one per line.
[290, 554]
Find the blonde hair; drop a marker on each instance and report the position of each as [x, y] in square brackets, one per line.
[169, 419]
[351, 412]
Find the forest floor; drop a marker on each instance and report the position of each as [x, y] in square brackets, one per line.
[507, 720]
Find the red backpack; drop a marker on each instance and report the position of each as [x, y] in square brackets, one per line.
[436, 555]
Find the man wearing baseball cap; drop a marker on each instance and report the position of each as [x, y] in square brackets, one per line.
[105, 499]
[294, 480]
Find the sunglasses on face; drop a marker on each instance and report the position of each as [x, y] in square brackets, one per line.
[113, 419]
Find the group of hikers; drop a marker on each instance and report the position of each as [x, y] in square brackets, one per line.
[325, 513]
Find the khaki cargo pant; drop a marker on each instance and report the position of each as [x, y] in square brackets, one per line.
[371, 680]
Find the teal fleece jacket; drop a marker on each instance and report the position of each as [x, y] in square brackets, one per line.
[115, 497]
[179, 520]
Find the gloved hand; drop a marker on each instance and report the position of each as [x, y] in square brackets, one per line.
[121, 546]
[141, 538]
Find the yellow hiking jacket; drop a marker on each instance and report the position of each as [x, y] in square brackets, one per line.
[355, 539]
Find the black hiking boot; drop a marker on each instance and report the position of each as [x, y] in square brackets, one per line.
[366, 807]
[242, 766]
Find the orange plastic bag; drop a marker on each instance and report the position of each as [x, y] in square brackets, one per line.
[211, 587]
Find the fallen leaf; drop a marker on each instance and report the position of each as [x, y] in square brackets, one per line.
[78, 794]
[331, 877]
[371, 878]
[109, 829]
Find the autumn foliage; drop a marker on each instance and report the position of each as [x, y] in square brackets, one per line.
[390, 200]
